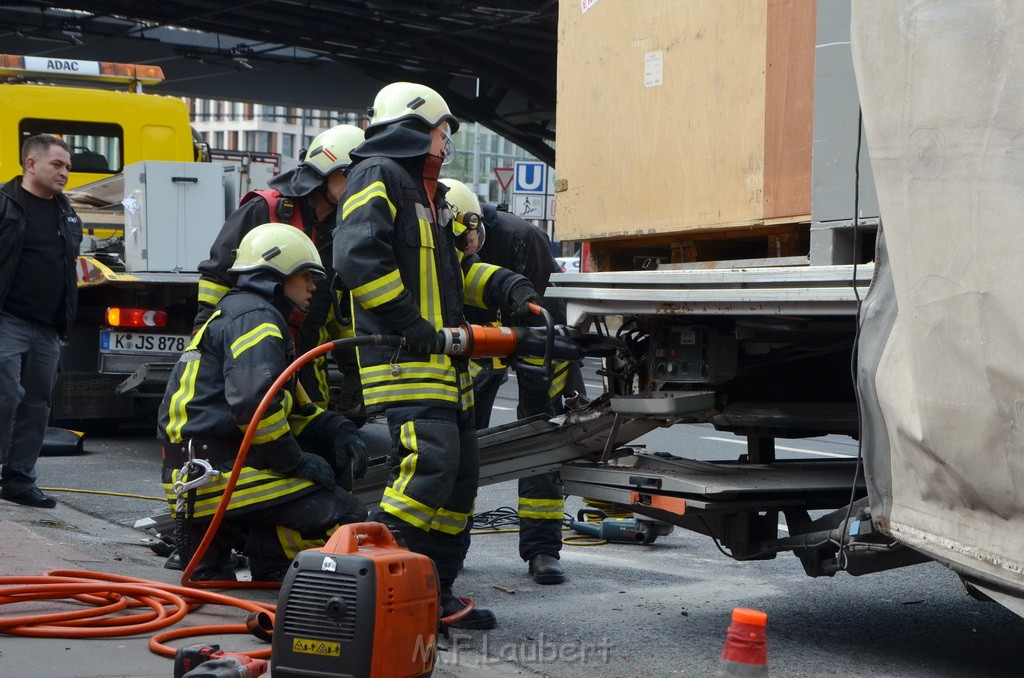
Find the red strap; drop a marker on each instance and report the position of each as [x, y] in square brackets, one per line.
[272, 196]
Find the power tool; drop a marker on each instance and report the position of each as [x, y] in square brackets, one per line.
[361, 607]
[624, 530]
[200, 660]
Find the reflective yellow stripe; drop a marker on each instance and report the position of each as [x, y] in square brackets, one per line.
[466, 396]
[541, 509]
[379, 374]
[406, 508]
[292, 541]
[430, 291]
[406, 469]
[559, 380]
[405, 393]
[211, 292]
[476, 283]
[449, 522]
[253, 337]
[380, 291]
[374, 190]
[254, 486]
[177, 414]
[271, 427]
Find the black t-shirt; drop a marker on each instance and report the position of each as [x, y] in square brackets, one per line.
[37, 290]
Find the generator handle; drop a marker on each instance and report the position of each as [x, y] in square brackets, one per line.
[351, 537]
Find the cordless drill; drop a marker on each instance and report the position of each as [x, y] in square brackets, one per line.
[209, 661]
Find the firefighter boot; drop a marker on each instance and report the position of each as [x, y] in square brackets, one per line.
[546, 570]
[478, 619]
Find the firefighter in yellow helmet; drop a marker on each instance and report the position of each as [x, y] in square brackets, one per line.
[286, 498]
[394, 249]
[518, 245]
[307, 198]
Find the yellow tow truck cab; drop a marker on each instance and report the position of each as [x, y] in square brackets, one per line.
[106, 129]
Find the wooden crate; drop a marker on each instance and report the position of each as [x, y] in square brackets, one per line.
[723, 144]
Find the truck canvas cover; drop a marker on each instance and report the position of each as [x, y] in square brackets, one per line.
[942, 336]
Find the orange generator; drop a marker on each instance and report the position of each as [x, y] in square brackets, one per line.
[361, 607]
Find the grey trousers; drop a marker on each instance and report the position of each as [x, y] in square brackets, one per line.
[29, 356]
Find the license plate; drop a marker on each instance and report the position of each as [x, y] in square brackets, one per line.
[137, 342]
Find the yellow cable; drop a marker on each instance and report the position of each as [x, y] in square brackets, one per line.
[111, 494]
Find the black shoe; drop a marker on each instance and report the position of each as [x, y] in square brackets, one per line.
[235, 562]
[546, 570]
[478, 619]
[33, 496]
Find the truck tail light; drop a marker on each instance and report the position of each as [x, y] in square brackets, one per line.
[135, 317]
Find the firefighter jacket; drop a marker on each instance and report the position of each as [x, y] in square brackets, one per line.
[213, 392]
[286, 202]
[395, 251]
[12, 229]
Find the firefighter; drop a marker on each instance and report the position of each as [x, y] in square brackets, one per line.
[286, 499]
[395, 250]
[516, 244]
[306, 197]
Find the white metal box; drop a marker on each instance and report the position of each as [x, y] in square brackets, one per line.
[173, 211]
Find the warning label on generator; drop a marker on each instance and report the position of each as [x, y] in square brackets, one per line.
[320, 647]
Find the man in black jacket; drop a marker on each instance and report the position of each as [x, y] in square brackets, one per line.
[39, 239]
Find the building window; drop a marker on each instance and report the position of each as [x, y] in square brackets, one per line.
[288, 145]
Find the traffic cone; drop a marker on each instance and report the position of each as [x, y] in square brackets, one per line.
[746, 647]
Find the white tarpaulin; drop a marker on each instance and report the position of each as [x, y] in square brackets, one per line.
[941, 84]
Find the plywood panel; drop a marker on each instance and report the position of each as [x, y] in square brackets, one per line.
[680, 156]
[789, 108]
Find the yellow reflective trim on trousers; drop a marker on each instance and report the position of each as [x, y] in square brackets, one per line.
[253, 337]
[177, 414]
[407, 467]
[559, 380]
[541, 509]
[380, 291]
[406, 508]
[254, 486]
[211, 292]
[292, 542]
[374, 190]
[449, 522]
[476, 284]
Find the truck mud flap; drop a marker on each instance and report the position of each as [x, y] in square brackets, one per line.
[510, 451]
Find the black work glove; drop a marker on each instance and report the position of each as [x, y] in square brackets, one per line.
[316, 469]
[421, 337]
[520, 297]
[350, 448]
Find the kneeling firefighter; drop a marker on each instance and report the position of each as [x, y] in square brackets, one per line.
[286, 499]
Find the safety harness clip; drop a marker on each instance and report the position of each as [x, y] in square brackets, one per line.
[209, 474]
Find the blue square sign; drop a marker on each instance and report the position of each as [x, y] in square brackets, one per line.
[530, 177]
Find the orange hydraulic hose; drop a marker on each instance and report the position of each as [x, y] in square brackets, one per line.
[167, 603]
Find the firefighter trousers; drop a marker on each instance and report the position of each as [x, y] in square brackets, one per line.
[430, 493]
[541, 503]
[272, 536]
